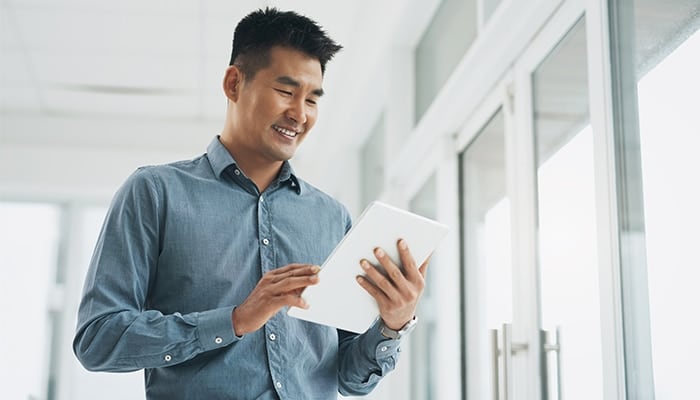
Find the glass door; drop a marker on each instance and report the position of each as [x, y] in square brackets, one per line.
[655, 68]
[423, 358]
[486, 232]
[567, 267]
[669, 127]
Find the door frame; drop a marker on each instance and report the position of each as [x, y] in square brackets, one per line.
[526, 382]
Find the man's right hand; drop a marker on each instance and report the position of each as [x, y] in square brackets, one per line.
[278, 288]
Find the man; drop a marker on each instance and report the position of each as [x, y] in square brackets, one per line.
[198, 260]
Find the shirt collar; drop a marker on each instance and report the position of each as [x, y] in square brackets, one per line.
[288, 177]
[220, 159]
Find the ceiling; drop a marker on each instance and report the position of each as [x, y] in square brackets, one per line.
[158, 65]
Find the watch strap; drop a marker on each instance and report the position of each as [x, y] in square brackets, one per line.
[394, 334]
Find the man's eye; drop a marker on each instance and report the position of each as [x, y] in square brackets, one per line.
[284, 92]
[311, 101]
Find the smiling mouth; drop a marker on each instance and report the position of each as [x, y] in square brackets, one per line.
[286, 132]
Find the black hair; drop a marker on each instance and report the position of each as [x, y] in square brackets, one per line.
[261, 30]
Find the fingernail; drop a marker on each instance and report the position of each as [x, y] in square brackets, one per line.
[364, 264]
[379, 252]
[315, 269]
[402, 244]
[358, 278]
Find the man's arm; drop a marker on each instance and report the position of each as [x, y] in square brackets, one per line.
[115, 330]
[364, 360]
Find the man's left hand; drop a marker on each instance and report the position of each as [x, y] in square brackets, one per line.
[397, 293]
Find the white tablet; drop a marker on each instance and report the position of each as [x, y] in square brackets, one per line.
[338, 300]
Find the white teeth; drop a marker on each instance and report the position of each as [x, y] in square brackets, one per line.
[285, 132]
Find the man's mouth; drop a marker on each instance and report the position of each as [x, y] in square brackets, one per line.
[286, 132]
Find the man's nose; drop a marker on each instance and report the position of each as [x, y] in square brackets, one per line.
[297, 111]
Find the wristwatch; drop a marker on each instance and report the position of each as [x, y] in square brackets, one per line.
[392, 334]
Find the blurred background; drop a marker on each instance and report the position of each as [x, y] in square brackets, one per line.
[557, 139]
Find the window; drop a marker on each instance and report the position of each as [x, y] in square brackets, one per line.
[654, 52]
[487, 255]
[423, 379]
[669, 126]
[446, 40]
[45, 250]
[29, 235]
[372, 164]
[566, 223]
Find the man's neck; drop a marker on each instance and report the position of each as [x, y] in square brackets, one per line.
[261, 172]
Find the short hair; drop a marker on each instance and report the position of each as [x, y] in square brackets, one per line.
[261, 30]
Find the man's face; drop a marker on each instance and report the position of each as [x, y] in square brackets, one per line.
[278, 107]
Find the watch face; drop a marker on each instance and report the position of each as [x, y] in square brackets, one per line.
[409, 326]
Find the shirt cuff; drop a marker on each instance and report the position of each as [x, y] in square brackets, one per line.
[383, 347]
[216, 328]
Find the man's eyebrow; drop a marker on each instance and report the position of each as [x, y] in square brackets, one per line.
[289, 81]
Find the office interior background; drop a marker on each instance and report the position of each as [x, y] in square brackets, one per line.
[557, 138]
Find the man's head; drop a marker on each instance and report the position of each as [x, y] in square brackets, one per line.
[273, 86]
[262, 30]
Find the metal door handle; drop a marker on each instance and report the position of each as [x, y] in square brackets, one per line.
[495, 352]
[547, 348]
[500, 383]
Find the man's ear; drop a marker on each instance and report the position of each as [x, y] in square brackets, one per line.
[233, 81]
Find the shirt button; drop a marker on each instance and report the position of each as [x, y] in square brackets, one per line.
[384, 348]
[278, 384]
[168, 357]
[236, 171]
[266, 241]
[218, 340]
[261, 199]
[273, 336]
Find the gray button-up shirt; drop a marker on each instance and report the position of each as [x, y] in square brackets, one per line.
[181, 246]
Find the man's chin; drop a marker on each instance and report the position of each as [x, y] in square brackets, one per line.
[283, 156]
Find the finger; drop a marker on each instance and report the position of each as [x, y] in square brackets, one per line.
[277, 297]
[409, 264]
[380, 281]
[294, 283]
[424, 266]
[370, 288]
[296, 269]
[393, 271]
[293, 270]
[292, 300]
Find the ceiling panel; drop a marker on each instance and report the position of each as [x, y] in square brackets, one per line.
[8, 38]
[14, 99]
[127, 105]
[13, 70]
[79, 31]
[106, 70]
[159, 7]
